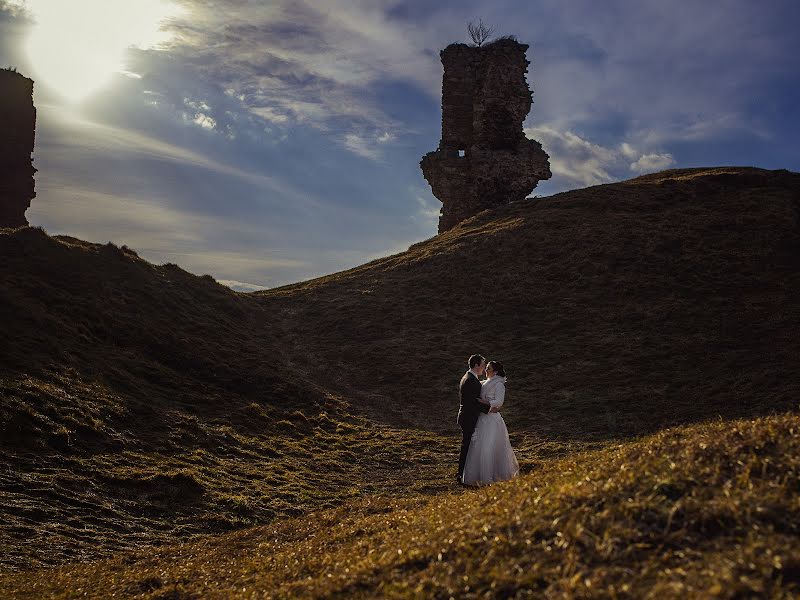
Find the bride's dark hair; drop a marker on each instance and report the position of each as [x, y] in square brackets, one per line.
[497, 367]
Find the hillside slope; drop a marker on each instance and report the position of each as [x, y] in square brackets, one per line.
[616, 309]
[701, 511]
[140, 404]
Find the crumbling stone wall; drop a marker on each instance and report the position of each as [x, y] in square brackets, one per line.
[17, 128]
[484, 159]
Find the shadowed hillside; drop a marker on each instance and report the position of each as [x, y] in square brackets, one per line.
[616, 309]
[142, 404]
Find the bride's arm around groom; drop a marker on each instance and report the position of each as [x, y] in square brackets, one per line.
[493, 391]
[499, 397]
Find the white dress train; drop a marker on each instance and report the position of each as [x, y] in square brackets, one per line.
[490, 457]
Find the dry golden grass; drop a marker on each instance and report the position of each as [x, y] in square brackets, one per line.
[206, 476]
[709, 510]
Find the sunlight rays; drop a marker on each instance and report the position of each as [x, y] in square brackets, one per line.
[76, 46]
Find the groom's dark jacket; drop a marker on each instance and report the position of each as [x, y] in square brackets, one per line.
[469, 390]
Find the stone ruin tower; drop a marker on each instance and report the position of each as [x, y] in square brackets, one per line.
[484, 159]
[17, 127]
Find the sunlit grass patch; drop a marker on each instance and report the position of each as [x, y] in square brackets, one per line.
[699, 511]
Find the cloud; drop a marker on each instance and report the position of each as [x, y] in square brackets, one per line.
[358, 145]
[162, 234]
[428, 207]
[706, 129]
[368, 147]
[294, 62]
[241, 286]
[14, 10]
[659, 73]
[648, 163]
[645, 163]
[102, 138]
[573, 159]
[270, 114]
[578, 162]
[205, 121]
[628, 151]
[14, 21]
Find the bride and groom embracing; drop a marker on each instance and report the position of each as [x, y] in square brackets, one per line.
[486, 453]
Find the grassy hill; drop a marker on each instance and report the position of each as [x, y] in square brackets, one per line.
[144, 406]
[616, 309]
[140, 404]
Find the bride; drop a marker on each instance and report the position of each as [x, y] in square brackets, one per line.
[490, 457]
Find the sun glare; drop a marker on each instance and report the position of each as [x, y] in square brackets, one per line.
[76, 46]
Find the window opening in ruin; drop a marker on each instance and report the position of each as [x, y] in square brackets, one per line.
[462, 153]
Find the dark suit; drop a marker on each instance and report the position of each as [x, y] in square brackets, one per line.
[469, 390]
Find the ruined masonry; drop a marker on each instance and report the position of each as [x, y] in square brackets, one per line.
[17, 127]
[484, 159]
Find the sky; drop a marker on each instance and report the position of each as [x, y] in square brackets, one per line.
[265, 143]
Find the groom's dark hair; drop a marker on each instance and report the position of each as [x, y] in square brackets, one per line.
[475, 360]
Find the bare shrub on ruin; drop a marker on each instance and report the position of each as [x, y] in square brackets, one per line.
[479, 32]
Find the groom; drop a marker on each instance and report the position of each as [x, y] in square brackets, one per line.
[470, 407]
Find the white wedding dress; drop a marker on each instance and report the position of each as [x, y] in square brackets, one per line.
[490, 456]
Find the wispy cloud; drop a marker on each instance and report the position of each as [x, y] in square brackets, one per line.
[241, 286]
[647, 163]
[294, 62]
[663, 66]
[371, 147]
[428, 208]
[305, 63]
[163, 234]
[577, 162]
[208, 216]
[111, 139]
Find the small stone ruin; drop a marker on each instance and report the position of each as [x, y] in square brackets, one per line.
[17, 128]
[484, 159]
